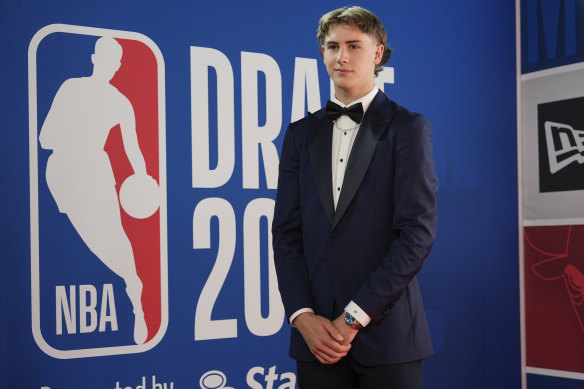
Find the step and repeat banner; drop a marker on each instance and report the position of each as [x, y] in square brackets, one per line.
[139, 162]
[552, 136]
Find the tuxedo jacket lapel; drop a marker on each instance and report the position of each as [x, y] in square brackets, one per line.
[320, 139]
[375, 122]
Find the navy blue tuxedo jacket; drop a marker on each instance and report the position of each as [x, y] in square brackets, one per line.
[368, 250]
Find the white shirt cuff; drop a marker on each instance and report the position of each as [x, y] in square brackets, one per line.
[298, 312]
[358, 313]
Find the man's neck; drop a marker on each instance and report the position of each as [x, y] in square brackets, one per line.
[348, 96]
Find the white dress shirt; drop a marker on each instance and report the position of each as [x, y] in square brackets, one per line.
[344, 133]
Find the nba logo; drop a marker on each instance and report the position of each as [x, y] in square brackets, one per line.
[97, 192]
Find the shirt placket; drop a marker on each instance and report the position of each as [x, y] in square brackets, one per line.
[341, 162]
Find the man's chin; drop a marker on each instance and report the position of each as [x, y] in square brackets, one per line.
[343, 83]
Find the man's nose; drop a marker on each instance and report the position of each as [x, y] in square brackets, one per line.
[342, 57]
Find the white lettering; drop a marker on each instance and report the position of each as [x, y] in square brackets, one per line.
[387, 76]
[271, 377]
[154, 384]
[69, 309]
[88, 318]
[108, 309]
[250, 380]
[252, 133]
[202, 59]
[161, 385]
[256, 210]
[305, 84]
[291, 384]
[205, 328]
[87, 308]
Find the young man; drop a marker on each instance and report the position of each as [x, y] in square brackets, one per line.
[355, 218]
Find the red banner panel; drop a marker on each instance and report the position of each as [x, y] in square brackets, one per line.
[554, 297]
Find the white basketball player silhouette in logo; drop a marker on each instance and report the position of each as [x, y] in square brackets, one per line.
[79, 173]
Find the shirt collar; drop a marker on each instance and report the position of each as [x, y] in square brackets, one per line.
[365, 100]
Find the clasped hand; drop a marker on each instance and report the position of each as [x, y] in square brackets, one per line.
[328, 341]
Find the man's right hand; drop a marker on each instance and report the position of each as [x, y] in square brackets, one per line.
[321, 336]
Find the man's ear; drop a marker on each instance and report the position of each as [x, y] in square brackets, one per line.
[378, 53]
[322, 51]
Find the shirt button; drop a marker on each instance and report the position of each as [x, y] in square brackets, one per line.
[338, 189]
[341, 159]
[345, 133]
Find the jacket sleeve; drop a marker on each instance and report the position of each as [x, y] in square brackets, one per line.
[293, 281]
[414, 221]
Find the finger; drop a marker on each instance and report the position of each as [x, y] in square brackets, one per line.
[334, 332]
[332, 350]
[325, 359]
[337, 347]
[328, 340]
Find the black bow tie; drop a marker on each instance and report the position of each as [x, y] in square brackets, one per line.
[334, 111]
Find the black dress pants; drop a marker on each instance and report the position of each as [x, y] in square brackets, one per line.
[348, 374]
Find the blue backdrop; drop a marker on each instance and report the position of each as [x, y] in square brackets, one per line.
[454, 61]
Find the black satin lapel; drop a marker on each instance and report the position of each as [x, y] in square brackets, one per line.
[320, 140]
[375, 122]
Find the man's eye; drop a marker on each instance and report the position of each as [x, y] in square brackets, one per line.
[333, 47]
[354, 47]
